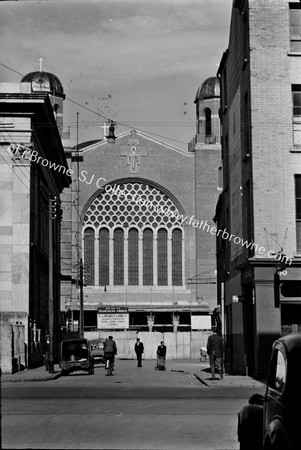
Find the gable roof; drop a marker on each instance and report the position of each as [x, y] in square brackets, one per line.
[92, 145]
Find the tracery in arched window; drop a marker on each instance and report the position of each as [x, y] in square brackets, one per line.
[125, 260]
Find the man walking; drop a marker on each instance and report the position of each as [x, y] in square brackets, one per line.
[215, 350]
[139, 349]
[110, 350]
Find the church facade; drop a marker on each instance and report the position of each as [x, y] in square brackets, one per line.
[143, 226]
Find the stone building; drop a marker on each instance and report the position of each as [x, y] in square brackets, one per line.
[259, 254]
[146, 209]
[33, 173]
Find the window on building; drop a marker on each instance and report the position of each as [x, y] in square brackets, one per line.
[89, 256]
[138, 243]
[208, 127]
[162, 257]
[298, 210]
[296, 94]
[118, 257]
[133, 255]
[295, 27]
[177, 257]
[104, 242]
[148, 240]
[56, 110]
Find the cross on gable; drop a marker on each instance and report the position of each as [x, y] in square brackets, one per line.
[105, 127]
[133, 152]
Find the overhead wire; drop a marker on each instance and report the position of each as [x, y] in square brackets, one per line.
[24, 166]
[20, 163]
[13, 141]
[116, 122]
[106, 117]
[22, 181]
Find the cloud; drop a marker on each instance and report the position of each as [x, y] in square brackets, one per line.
[132, 47]
[121, 37]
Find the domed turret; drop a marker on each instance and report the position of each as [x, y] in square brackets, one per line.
[44, 82]
[209, 89]
[207, 102]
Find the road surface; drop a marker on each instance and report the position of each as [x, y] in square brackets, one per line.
[137, 408]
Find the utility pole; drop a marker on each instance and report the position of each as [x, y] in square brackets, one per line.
[81, 297]
[52, 216]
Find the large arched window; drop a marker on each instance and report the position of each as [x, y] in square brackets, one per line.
[137, 242]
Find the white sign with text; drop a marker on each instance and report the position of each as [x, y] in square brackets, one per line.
[113, 321]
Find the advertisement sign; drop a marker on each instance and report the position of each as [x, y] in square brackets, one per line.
[112, 320]
[201, 322]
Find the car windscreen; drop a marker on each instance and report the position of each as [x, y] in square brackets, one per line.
[74, 350]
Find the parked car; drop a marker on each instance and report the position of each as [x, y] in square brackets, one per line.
[76, 355]
[277, 413]
[97, 350]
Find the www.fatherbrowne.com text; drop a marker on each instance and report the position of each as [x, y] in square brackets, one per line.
[27, 152]
[202, 225]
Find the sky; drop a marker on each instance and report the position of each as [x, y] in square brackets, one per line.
[137, 62]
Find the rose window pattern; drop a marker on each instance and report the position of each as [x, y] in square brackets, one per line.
[111, 210]
[133, 236]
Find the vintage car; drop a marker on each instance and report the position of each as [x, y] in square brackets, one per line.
[76, 355]
[97, 350]
[277, 412]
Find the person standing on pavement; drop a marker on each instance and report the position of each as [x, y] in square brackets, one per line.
[215, 350]
[139, 349]
[161, 350]
[161, 356]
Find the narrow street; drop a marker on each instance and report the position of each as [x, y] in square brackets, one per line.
[134, 409]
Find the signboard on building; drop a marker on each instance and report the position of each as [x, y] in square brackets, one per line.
[201, 322]
[112, 318]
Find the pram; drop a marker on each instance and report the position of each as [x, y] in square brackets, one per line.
[160, 363]
[204, 355]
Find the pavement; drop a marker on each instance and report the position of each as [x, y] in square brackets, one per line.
[200, 370]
